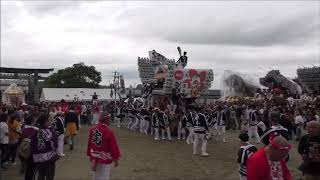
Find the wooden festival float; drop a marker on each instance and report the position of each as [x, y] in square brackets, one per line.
[167, 82]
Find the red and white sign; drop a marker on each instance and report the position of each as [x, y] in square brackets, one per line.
[190, 81]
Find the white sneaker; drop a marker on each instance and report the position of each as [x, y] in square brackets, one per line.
[205, 154]
[187, 142]
[118, 126]
[14, 163]
[178, 138]
[62, 155]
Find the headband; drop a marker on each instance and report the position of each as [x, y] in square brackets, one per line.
[279, 147]
[104, 118]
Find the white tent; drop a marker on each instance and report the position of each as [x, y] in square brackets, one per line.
[79, 94]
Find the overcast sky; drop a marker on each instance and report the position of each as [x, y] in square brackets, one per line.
[249, 37]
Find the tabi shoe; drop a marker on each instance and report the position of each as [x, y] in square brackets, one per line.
[205, 154]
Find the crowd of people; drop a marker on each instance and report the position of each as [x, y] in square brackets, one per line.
[37, 134]
[274, 122]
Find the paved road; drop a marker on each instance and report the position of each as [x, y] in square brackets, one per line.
[144, 159]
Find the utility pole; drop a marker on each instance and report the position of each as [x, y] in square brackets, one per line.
[115, 84]
[134, 89]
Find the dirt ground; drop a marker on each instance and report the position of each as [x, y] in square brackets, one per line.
[144, 159]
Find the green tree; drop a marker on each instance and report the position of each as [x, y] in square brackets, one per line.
[77, 76]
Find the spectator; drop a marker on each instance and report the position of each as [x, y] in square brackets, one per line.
[268, 163]
[44, 149]
[28, 131]
[58, 125]
[4, 139]
[245, 152]
[309, 149]
[72, 126]
[299, 123]
[239, 113]
[102, 149]
[14, 136]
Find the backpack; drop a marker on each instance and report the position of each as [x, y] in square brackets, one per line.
[24, 150]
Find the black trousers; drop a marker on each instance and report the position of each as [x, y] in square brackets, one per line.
[260, 131]
[13, 151]
[46, 171]
[30, 169]
[84, 119]
[290, 131]
[4, 153]
[112, 117]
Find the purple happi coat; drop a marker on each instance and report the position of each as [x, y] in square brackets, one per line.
[44, 146]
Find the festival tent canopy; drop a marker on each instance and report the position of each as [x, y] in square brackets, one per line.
[72, 94]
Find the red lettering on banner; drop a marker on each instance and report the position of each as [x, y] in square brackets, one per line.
[192, 72]
[203, 75]
[178, 75]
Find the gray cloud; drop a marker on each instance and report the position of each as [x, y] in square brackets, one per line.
[290, 31]
[42, 8]
[260, 24]
[249, 37]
